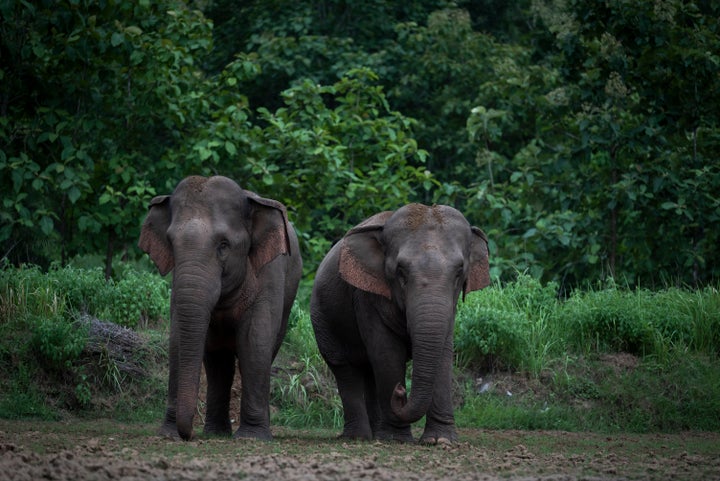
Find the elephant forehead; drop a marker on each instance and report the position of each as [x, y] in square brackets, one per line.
[192, 226]
[415, 216]
[418, 216]
[433, 247]
[199, 189]
[194, 183]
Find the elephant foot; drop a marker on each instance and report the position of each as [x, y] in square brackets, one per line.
[392, 433]
[261, 433]
[219, 430]
[217, 425]
[357, 431]
[169, 431]
[439, 435]
[429, 440]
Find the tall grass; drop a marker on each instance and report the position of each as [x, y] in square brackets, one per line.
[132, 298]
[554, 363]
[44, 333]
[573, 353]
[304, 391]
[509, 327]
[523, 325]
[642, 322]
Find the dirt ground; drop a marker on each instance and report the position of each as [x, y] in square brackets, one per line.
[100, 449]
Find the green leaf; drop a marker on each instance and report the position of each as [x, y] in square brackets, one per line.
[46, 225]
[116, 39]
[74, 194]
[133, 31]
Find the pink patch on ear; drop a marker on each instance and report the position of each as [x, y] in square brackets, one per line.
[478, 278]
[158, 250]
[479, 275]
[354, 273]
[274, 244]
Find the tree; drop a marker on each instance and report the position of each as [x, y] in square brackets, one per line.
[93, 95]
[646, 81]
[333, 154]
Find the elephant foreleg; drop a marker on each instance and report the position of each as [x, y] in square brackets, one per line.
[220, 371]
[387, 373]
[372, 403]
[255, 358]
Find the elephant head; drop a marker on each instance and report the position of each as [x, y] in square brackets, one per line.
[217, 237]
[420, 259]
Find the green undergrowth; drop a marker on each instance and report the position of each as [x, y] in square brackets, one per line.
[605, 359]
[67, 343]
[607, 393]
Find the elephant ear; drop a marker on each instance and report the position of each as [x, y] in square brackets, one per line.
[153, 236]
[479, 275]
[362, 256]
[269, 231]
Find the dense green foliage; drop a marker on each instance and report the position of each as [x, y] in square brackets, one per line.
[605, 359]
[523, 325]
[44, 322]
[582, 136]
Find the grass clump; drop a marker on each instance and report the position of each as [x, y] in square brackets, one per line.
[508, 327]
[604, 359]
[303, 390]
[642, 322]
[51, 350]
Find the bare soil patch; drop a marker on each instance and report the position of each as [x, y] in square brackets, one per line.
[102, 449]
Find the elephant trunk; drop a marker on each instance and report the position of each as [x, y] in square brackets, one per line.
[429, 325]
[195, 293]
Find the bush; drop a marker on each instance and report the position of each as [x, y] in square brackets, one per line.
[58, 341]
[641, 321]
[136, 299]
[131, 299]
[44, 334]
[507, 326]
[84, 290]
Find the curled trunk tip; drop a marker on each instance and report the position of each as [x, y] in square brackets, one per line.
[399, 399]
[406, 411]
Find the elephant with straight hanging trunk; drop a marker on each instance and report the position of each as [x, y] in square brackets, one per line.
[236, 267]
[387, 293]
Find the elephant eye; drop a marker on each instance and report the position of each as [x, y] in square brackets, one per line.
[223, 246]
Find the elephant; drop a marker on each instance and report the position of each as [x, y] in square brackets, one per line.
[236, 269]
[386, 293]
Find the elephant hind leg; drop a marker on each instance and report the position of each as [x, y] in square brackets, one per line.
[220, 371]
[372, 403]
[351, 387]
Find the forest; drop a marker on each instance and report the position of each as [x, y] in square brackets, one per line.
[582, 136]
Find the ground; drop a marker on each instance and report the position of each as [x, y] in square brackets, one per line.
[103, 449]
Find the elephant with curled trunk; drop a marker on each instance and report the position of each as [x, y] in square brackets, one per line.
[236, 267]
[387, 293]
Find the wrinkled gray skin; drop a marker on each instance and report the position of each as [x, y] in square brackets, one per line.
[386, 293]
[236, 270]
